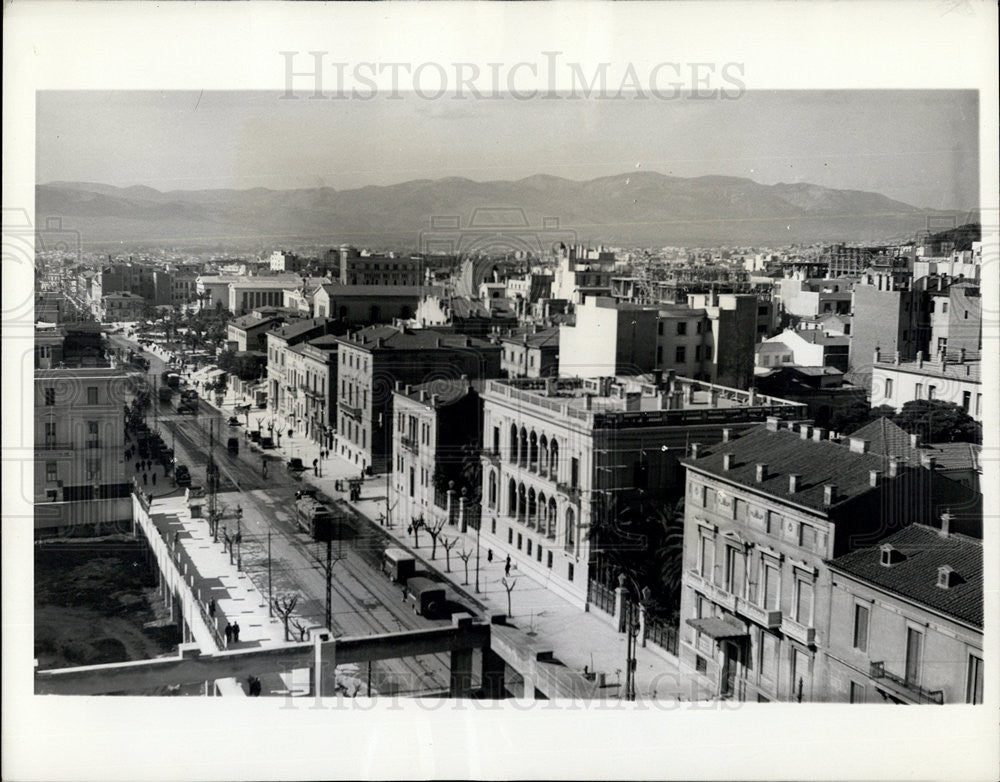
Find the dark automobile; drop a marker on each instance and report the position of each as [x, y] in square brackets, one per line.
[295, 465]
[266, 442]
[234, 421]
[182, 475]
[233, 445]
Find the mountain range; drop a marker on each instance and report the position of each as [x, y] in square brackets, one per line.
[634, 209]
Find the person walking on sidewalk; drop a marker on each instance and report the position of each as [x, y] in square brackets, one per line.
[506, 567]
[229, 633]
[236, 632]
[211, 608]
[406, 592]
[489, 555]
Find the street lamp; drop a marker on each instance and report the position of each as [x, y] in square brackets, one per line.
[239, 537]
[632, 615]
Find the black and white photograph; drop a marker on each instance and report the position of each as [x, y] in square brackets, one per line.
[418, 398]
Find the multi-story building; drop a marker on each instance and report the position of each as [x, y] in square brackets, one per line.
[952, 377]
[802, 297]
[806, 348]
[764, 513]
[249, 332]
[534, 353]
[311, 389]
[436, 429]
[282, 261]
[374, 359]
[367, 304]
[281, 393]
[382, 270]
[80, 474]
[906, 620]
[558, 451]
[580, 273]
[956, 316]
[884, 315]
[121, 307]
[183, 288]
[253, 292]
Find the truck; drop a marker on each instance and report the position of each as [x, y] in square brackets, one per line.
[165, 394]
[398, 565]
[313, 517]
[187, 402]
[428, 596]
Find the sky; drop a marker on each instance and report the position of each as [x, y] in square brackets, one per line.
[919, 147]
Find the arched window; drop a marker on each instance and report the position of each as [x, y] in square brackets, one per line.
[543, 455]
[543, 511]
[532, 507]
[511, 498]
[523, 451]
[552, 518]
[493, 489]
[522, 503]
[554, 458]
[570, 530]
[513, 443]
[533, 451]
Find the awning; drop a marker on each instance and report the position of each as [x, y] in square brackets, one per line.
[719, 628]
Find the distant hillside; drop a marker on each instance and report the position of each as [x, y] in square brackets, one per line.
[963, 236]
[637, 209]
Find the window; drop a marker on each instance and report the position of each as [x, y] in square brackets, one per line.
[528, 547]
[91, 395]
[679, 354]
[659, 328]
[857, 692]
[706, 557]
[800, 674]
[548, 559]
[93, 468]
[734, 570]
[50, 472]
[411, 481]
[769, 657]
[682, 329]
[888, 388]
[979, 402]
[974, 687]
[92, 430]
[772, 587]
[803, 602]
[861, 628]
[659, 354]
[966, 400]
[510, 535]
[914, 654]
[50, 397]
[520, 540]
[569, 572]
[931, 391]
[919, 391]
[944, 307]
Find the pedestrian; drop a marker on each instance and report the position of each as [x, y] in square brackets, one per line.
[406, 592]
[506, 567]
[177, 537]
[154, 478]
[211, 607]
[229, 633]
[489, 555]
[145, 479]
[236, 631]
[137, 467]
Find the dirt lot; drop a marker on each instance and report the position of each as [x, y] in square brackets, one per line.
[96, 602]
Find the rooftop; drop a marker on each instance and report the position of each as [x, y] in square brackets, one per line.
[543, 338]
[335, 289]
[440, 392]
[393, 338]
[968, 370]
[252, 320]
[293, 330]
[888, 439]
[915, 576]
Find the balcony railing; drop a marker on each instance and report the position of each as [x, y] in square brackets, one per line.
[719, 595]
[765, 617]
[798, 631]
[52, 445]
[907, 690]
[410, 443]
[351, 411]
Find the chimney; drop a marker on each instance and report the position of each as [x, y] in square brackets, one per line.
[874, 478]
[695, 447]
[928, 461]
[727, 461]
[378, 342]
[895, 357]
[727, 434]
[772, 423]
[945, 530]
[793, 483]
[761, 472]
[434, 400]
[819, 434]
[805, 431]
[920, 359]
[399, 385]
[893, 466]
[914, 441]
[858, 445]
[407, 388]
[752, 397]
[961, 355]
[878, 357]
[437, 342]
[829, 493]
[423, 394]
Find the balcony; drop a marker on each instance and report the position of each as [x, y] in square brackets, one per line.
[717, 594]
[908, 691]
[493, 457]
[351, 411]
[52, 445]
[763, 616]
[799, 632]
[410, 444]
[573, 492]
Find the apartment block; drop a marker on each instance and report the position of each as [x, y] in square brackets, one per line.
[951, 377]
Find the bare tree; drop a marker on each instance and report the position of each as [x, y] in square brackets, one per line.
[283, 607]
[449, 544]
[301, 627]
[415, 526]
[464, 555]
[434, 529]
[509, 586]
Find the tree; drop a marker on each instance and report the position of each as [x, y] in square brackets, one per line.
[509, 586]
[856, 413]
[434, 529]
[302, 628]
[415, 525]
[449, 544]
[283, 607]
[937, 421]
[464, 555]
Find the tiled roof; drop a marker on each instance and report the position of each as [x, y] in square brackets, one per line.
[888, 439]
[955, 456]
[915, 577]
[969, 370]
[448, 391]
[543, 338]
[411, 339]
[293, 330]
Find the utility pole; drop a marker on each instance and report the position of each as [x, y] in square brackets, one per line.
[212, 480]
[478, 527]
[329, 583]
[270, 593]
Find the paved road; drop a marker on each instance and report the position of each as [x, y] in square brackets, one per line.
[364, 601]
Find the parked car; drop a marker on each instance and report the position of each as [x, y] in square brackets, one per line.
[182, 475]
[234, 421]
[233, 445]
[295, 465]
[266, 442]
